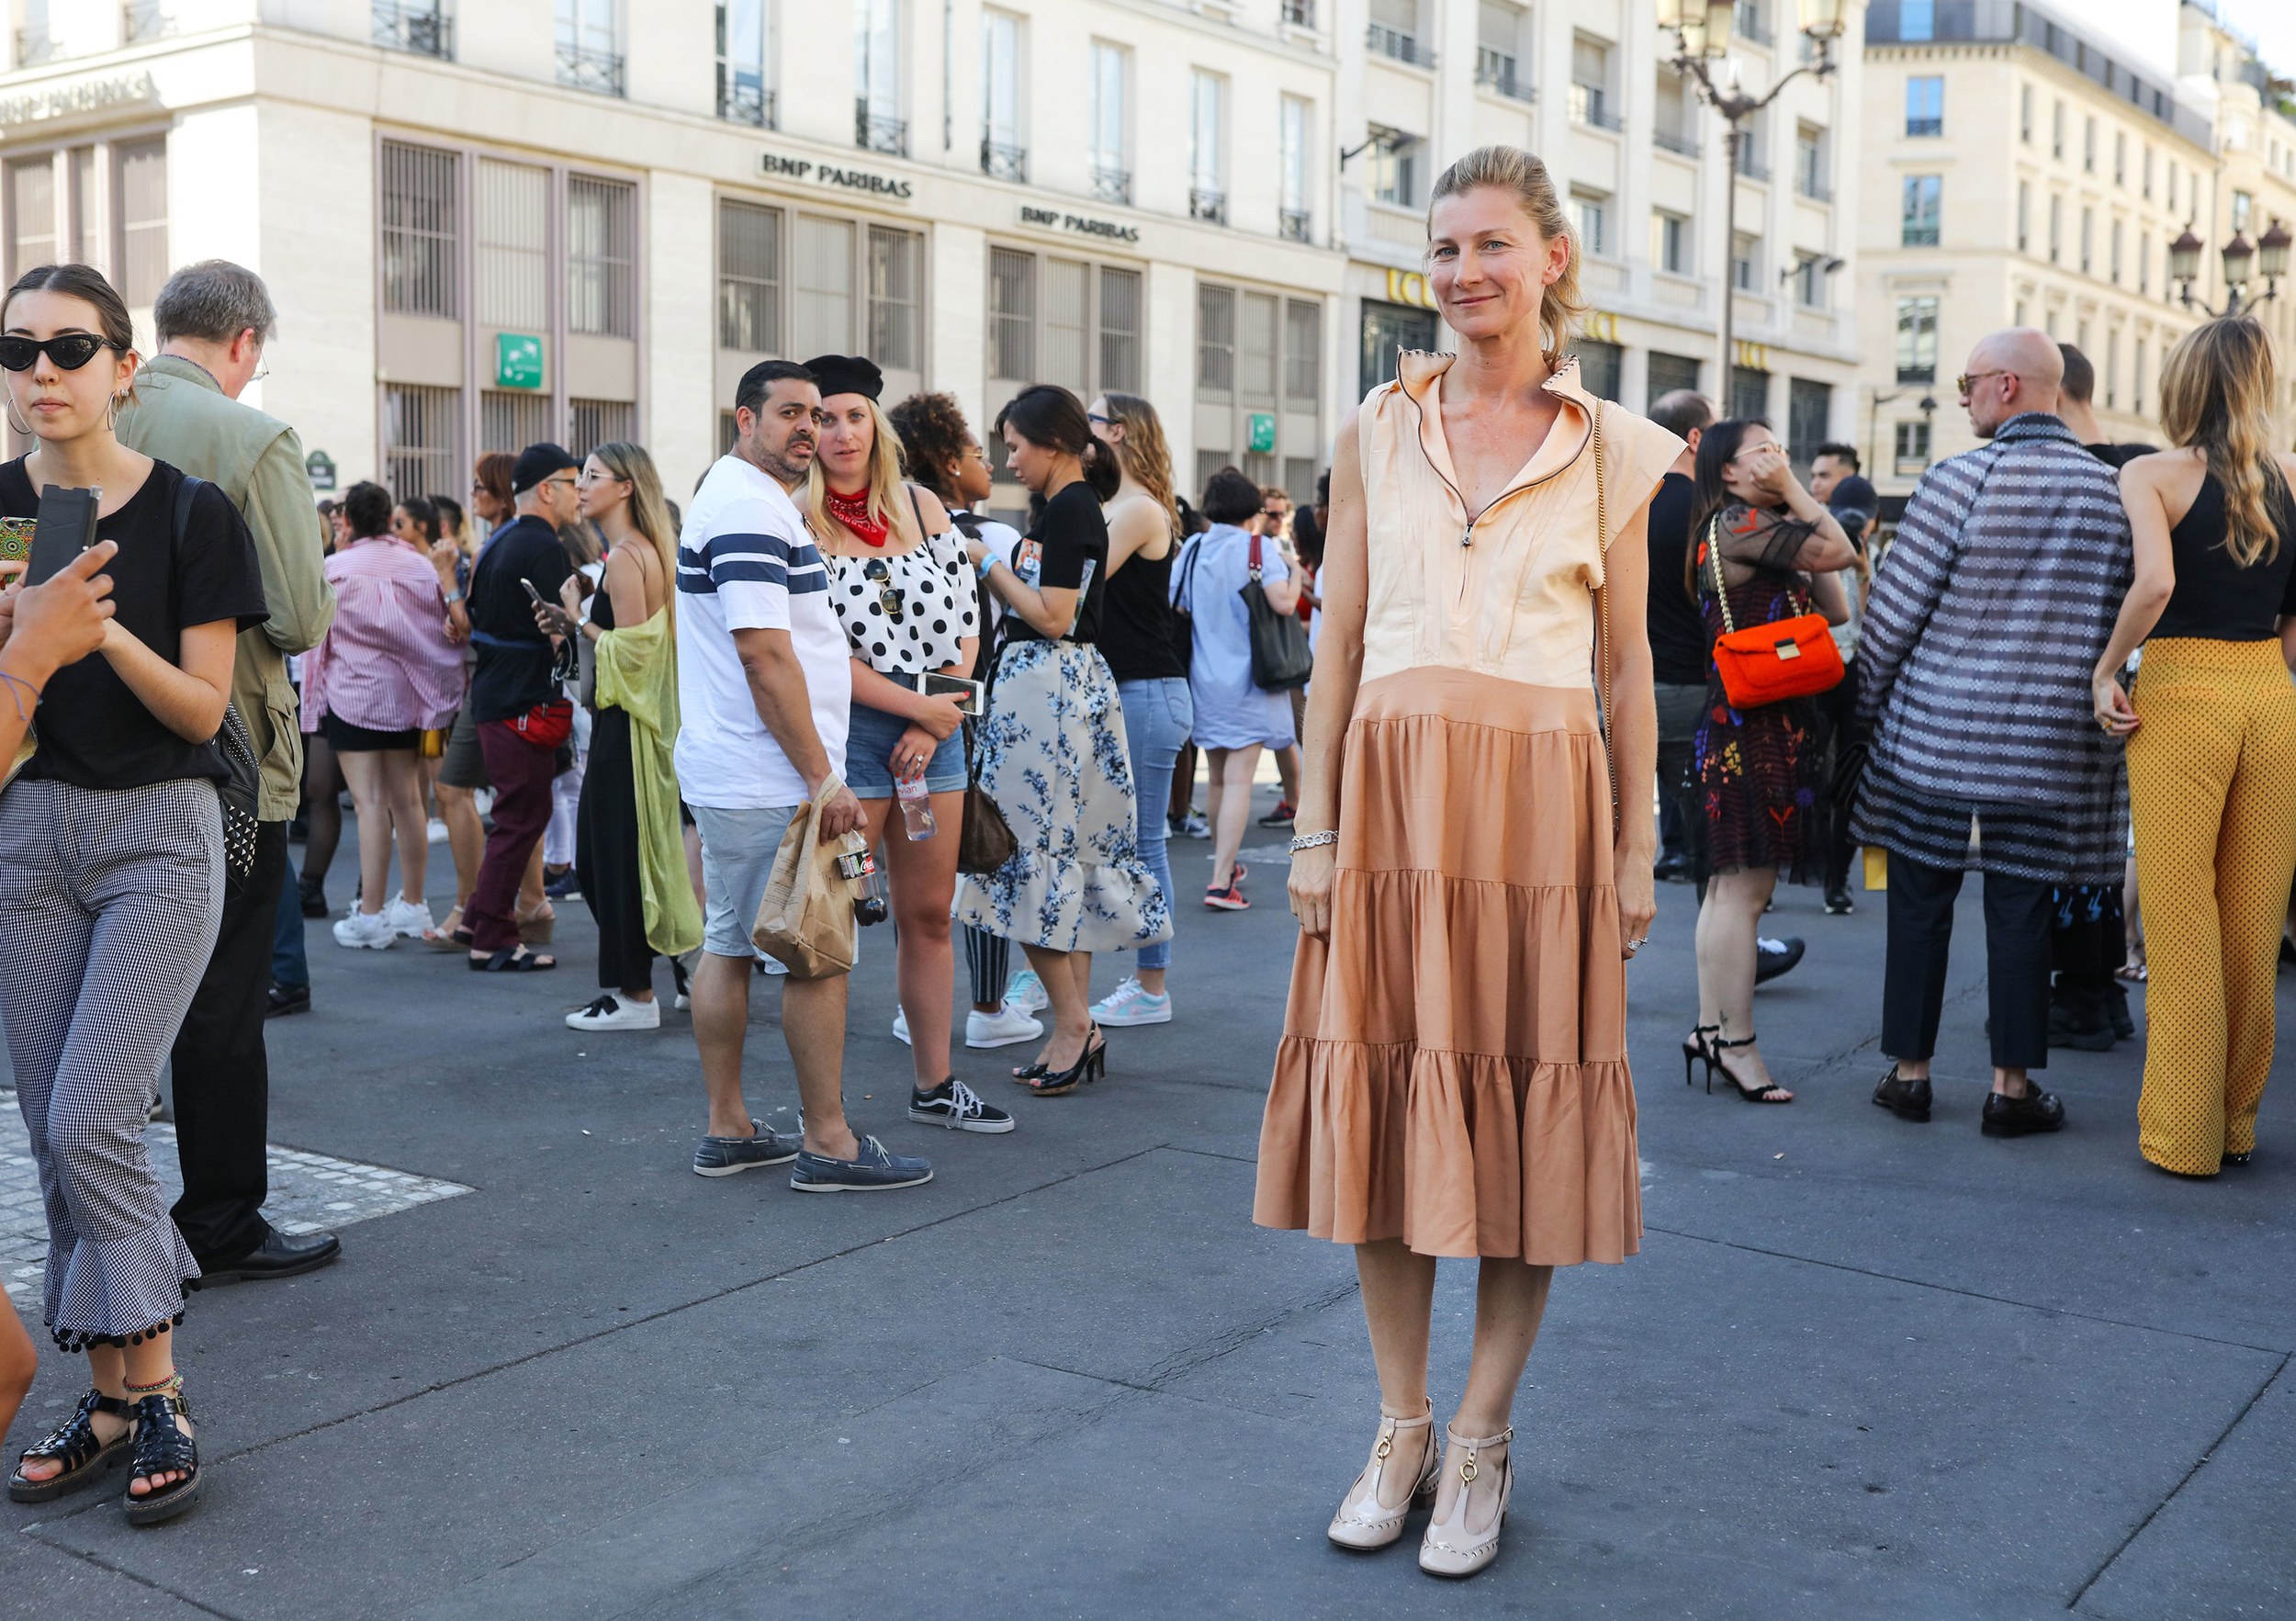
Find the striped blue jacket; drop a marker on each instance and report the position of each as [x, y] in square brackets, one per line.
[1985, 622]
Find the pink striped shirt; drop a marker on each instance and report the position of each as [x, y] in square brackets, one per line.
[386, 663]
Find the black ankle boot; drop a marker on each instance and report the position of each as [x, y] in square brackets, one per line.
[2020, 1117]
[1908, 1100]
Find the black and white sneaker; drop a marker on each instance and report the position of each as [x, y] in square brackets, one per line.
[609, 1012]
[958, 1107]
[723, 1157]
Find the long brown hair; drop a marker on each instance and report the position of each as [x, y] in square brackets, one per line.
[1509, 168]
[649, 509]
[2216, 391]
[1143, 453]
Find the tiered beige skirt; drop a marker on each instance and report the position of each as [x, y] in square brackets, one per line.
[1453, 1070]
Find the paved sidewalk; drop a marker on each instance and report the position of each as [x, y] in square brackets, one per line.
[1861, 1369]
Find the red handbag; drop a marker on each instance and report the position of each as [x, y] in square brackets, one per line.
[1767, 663]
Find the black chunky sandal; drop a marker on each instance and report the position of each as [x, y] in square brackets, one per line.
[83, 1454]
[163, 1447]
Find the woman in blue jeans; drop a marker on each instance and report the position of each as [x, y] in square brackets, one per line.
[1136, 637]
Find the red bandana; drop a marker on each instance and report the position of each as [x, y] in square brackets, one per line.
[852, 511]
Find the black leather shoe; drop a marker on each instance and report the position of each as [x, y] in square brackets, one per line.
[287, 999]
[314, 895]
[1769, 964]
[1908, 1100]
[1671, 868]
[282, 1254]
[2117, 1010]
[2079, 1021]
[2020, 1117]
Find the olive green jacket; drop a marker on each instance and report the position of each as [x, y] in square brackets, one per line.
[182, 417]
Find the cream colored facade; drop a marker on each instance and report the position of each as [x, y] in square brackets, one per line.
[1588, 86]
[484, 226]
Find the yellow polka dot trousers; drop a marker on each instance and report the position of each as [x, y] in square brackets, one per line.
[2212, 786]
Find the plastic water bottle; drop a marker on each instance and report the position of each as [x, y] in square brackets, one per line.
[917, 805]
[859, 866]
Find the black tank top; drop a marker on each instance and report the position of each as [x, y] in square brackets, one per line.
[1136, 620]
[2215, 599]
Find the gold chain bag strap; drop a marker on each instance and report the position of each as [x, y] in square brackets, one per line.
[1602, 613]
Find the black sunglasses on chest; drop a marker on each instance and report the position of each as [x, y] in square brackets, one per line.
[70, 351]
[888, 593]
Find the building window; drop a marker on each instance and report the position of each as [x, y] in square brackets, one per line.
[1749, 393]
[821, 286]
[1809, 280]
[2120, 157]
[1395, 165]
[1917, 339]
[1744, 251]
[749, 277]
[1387, 329]
[1208, 147]
[2057, 130]
[1011, 315]
[1600, 365]
[1670, 243]
[1918, 210]
[592, 422]
[1589, 208]
[2024, 214]
[2148, 174]
[2025, 114]
[1809, 406]
[2116, 252]
[1750, 147]
[1215, 342]
[2136, 384]
[508, 420]
[1912, 448]
[2112, 369]
[422, 27]
[1393, 31]
[1054, 319]
[878, 124]
[743, 31]
[602, 257]
[1590, 83]
[1925, 104]
[1121, 330]
[1674, 121]
[32, 213]
[589, 45]
[421, 210]
[513, 228]
[1499, 31]
[1295, 221]
[1257, 380]
[2089, 233]
[1809, 163]
[2244, 210]
[87, 225]
[2088, 145]
[419, 438]
[1303, 352]
[2056, 228]
[1669, 372]
[896, 309]
[1111, 160]
[2144, 263]
[1004, 150]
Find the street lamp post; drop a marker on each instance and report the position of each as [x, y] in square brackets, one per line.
[2267, 257]
[1702, 37]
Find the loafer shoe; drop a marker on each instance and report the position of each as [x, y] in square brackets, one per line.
[871, 1170]
[280, 1254]
[1908, 1100]
[287, 999]
[1773, 957]
[723, 1156]
[2021, 1117]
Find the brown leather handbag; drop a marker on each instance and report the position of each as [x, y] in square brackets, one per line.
[986, 842]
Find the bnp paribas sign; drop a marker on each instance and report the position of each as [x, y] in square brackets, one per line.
[861, 180]
[80, 96]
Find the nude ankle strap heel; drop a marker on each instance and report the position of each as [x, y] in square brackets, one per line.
[1463, 1537]
[1362, 1523]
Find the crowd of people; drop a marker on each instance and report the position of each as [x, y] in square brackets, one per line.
[1495, 730]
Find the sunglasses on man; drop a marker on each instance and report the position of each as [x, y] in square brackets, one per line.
[70, 351]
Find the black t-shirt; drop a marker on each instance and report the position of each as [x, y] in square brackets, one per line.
[2119, 455]
[1678, 633]
[1069, 533]
[93, 731]
[2215, 599]
[512, 670]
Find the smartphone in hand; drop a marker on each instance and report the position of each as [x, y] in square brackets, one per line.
[966, 692]
[65, 528]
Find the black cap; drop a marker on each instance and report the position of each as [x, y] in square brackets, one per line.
[847, 374]
[1854, 497]
[537, 462]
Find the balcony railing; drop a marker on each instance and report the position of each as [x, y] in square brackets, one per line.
[1925, 127]
[1814, 187]
[1003, 161]
[1402, 47]
[144, 19]
[33, 49]
[1753, 168]
[1589, 105]
[875, 132]
[1918, 374]
[585, 69]
[1495, 69]
[1205, 203]
[744, 101]
[1675, 141]
[415, 28]
[1295, 226]
[1111, 185]
[1300, 13]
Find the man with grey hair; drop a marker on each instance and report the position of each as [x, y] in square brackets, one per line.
[1984, 625]
[213, 319]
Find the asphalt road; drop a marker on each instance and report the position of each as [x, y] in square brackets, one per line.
[1859, 1368]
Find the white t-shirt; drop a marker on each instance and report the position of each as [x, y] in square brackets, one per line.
[744, 562]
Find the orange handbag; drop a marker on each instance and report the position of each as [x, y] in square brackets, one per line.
[1766, 663]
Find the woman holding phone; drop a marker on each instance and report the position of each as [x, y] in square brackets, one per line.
[111, 882]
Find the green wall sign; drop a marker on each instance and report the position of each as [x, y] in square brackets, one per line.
[517, 360]
[1263, 432]
[319, 467]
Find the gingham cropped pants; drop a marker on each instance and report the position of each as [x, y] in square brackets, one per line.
[109, 902]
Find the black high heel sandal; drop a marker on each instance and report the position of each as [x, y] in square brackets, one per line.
[1695, 1051]
[75, 1445]
[1715, 1050]
[163, 1447]
[1090, 1066]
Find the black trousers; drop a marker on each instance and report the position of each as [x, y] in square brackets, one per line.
[606, 855]
[2018, 915]
[222, 1073]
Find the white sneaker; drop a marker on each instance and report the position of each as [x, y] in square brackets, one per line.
[368, 929]
[435, 832]
[609, 1012]
[901, 1028]
[1026, 992]
[1001, 1029]
[408, 920]
[1130, 1003]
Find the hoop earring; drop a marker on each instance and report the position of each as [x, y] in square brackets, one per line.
[19, 427]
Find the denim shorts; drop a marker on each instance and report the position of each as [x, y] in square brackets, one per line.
[869, 744]
[737, 851]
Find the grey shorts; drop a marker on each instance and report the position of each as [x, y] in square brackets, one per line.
[464, 765]
[738, 850]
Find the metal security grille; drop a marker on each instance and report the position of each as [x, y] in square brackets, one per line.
[1011, 315]
[749, 277]
[510, 422]
[1067, 322]
[1119, 329]
[821, 284]
[1215, 343]
[142, 269]
[601, 257]
[592, 422]
[895, 305]
[420, 431]
[1257, 381]
[420, 208]
[31, 214]
[1303, 352]
[513, 231]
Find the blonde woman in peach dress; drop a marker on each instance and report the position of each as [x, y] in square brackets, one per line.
[1453, 1076]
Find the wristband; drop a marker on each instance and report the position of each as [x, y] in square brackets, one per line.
[1301, 842]
[987, 562]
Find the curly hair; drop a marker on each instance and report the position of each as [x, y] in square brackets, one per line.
[934, 435]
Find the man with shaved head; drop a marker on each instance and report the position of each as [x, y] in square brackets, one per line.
[1985, 622]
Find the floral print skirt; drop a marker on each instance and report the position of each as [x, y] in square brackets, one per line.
[1754, 785]
[1053, 756]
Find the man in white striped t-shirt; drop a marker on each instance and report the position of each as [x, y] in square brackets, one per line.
[764, 691]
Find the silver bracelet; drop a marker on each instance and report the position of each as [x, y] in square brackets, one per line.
[1301, 842]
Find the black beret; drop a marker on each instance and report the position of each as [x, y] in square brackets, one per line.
[847, 374]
